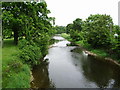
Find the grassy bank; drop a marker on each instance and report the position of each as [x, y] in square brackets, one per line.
[15, 74]
[99, 52]
[66, 36]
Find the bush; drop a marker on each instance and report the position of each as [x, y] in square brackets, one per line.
[30, 53]
[42, 42]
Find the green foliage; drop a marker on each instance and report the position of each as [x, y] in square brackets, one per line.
[29, 25]
[84, 44]
[74, 29]
[100, 52]
[52, 41]
[77, 24]
[95, 33]
[116, 29]
[66, 36]
[115, 43]
[30, 52]
[60, 29]
[75, 35]
[25, 20]
[98, 30]
[69, 27]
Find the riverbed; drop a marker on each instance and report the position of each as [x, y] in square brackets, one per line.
[70, 67]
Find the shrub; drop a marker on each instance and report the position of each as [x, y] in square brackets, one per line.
[30, 53]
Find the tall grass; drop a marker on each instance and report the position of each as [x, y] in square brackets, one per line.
[15, 74]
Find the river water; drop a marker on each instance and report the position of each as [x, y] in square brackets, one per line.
[70, 67]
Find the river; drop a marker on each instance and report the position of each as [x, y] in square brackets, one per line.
[70, 67]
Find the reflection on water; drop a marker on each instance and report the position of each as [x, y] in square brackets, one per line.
[41, 77]
[102, 73]
[69, 67]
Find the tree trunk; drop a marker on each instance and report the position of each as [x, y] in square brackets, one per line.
[2, 41]
[15, 36]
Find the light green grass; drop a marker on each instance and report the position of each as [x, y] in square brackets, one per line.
[20, 79]
[15, 74]
[66, 36]
[9, 52]
[100, 52]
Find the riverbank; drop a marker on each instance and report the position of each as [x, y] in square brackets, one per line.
[92, 51]
[15, 74]
[18, 62]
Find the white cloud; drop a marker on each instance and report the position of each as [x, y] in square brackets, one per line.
[65, 11]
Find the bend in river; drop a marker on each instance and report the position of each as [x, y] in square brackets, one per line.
[70, 67]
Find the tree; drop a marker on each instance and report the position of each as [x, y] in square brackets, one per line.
[115, 45]
[25, 19]
[60, 29]
[11, 18]
[30, 26]
[74, 29]
[77, 24]
[116, 29]
[98, 29]
[68, 27]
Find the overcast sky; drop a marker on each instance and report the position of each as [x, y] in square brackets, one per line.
[65, 11]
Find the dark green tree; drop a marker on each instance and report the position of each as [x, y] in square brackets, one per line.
[25, 19]
[69, 27]
[60, 29]
[77, 24]
[74, 29]
[99, 29]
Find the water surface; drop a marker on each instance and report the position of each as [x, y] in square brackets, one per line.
[70, 67]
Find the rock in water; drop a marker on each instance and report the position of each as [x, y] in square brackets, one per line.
[46, 60]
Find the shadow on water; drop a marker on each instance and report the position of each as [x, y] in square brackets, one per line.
[104, 74]
[41, 77]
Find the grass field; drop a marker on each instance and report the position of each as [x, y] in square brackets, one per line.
[9, 52]
[15, 74]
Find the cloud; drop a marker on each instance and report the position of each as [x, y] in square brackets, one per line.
[65, 11]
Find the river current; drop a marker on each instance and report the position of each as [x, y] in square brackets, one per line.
[70, 67]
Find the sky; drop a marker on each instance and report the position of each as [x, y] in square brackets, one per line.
[66, 11]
